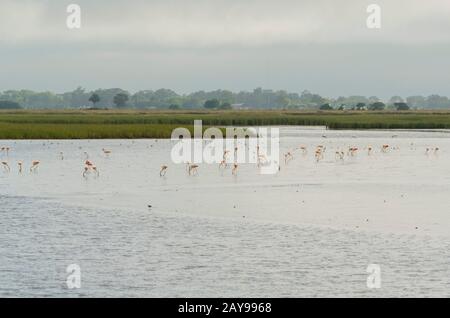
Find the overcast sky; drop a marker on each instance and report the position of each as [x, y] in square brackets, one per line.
[187, 45]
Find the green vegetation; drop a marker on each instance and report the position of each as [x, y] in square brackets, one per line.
[212, 103]
[5, 104]
[401, 106]
[258, 98]
[326, 107]
[94, 98]
[84, 131]
[378, 106]
[22, 124]
[120, 100]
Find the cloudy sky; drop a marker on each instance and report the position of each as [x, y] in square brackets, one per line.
[187, 45]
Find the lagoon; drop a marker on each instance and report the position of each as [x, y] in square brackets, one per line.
[310, 230]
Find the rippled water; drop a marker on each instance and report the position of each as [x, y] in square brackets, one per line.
[310, 230]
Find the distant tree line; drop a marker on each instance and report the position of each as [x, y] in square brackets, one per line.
[6, 104]
[218, 99]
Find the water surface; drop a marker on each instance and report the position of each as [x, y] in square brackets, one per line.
[310, 230]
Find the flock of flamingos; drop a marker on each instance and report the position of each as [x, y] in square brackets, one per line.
[192, 169]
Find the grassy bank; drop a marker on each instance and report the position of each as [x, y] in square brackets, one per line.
[159, 124]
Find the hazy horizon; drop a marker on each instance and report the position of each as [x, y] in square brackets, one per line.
[189, 45]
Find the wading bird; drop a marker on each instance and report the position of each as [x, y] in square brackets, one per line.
[163, 171]
[352, 151]
[20, 164]
[223, 164]
[262, 160]
[339, 155]
[432, 150]
[319, 154]
[287, 157]
[225, 155]
[34, 165]
[235, 168]
[92, 168]
[6, 166]
[5, 149]
[193, 169]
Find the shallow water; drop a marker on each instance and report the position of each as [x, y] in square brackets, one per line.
[310, 230]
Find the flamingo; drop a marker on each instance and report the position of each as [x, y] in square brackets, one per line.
[319, 154]
[352, 151]
[223, 164]
[106, 152]
[5, 149]
[34, 165]
[235, 168]
[287, 157]
[193, 169]
[88, 168]
[339, 155]
[434, 150]
[262, 159]
[304, 150]
[163, 170]
[6, 166]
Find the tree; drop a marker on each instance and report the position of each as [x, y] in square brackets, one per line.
[6, 104]
[225, 105]
[77, 98]
[94, 99]
[437, 102]
[107, 96]
[282, 100]
[416, 101]
[360, 106]
[377, 106]
[121, 100]
[401, 106]
[212, 103]
[174, 106]
[326, 107]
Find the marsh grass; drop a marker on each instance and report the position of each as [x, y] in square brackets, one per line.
[85, 131]
[159, 124]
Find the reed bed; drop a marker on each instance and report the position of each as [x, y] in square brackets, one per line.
[75, 124]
